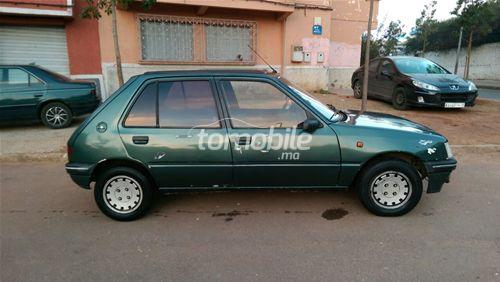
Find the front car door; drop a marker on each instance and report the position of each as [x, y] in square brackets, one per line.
[385, 79]
[174, 127]
[269, 147]
[20, 92]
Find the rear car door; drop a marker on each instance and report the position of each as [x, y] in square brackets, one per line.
[373, 87]
[269, 149]
[169, 128]
[20, 92]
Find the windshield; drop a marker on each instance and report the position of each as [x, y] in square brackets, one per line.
[418, 66]
[320, 107]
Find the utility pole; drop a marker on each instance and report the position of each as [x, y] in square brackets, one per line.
[364, 99]
[458, 49]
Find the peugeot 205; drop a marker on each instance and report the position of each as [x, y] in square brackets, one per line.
[221, 130]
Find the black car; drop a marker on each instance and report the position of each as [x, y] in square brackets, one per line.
[414, 81]
[34, 93]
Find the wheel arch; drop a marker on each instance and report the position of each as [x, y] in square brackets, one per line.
[107, 164]
[398, 155]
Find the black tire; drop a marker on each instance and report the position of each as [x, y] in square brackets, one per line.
[400, 99]
[128, 180]
[56, 115]
[357, 89]
[403, 192]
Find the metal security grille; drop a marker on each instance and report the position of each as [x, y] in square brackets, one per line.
[190, 40]
[166, 41]
[228, 43]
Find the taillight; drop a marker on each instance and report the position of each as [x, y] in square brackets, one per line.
[69, 150]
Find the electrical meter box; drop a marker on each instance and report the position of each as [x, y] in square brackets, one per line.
[297, 54]
[307, 57]
[321, 57]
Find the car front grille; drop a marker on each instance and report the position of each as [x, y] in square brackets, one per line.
[455, 97]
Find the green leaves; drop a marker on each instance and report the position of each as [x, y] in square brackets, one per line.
[95, 8]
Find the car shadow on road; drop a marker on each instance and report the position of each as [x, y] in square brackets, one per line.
[329, 204]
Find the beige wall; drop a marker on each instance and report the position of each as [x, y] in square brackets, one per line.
[343, 22]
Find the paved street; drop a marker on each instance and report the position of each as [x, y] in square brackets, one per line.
[489, 93]
[52, 231]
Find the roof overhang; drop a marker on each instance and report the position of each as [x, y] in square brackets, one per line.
[64, 8]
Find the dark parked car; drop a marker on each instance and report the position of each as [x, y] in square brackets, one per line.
[222, 130]
[33, 93]
[414, 81]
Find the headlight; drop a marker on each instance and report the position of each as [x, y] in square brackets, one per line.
[424, 85]
[472, 86]
[449, 153]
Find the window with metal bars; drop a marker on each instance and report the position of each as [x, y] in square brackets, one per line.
[189, 40]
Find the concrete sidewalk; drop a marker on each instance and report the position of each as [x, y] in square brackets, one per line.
[487, 84]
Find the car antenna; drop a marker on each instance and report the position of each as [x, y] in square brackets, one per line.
[260, 57]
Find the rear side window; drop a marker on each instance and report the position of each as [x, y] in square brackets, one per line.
[372, 67]
[175, 104]
[143, 112]
[187, 104]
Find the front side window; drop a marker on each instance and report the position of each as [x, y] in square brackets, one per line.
[387, 67]
[187, 104]
[255, 104]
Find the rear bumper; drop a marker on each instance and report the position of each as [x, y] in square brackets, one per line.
[85, 108]
[80, 173]
[438, 173]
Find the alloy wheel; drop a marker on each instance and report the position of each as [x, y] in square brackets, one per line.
[56, 116]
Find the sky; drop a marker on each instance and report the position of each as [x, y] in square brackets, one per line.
[407, 11]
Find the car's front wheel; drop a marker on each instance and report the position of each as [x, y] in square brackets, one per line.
[56, 115]
[390, 187]
[123, 193]
[400, 99]
[357, 90]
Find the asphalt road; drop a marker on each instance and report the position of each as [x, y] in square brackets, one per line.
[52, 231]
[489, 93]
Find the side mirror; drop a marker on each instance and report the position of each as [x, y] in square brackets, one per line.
[387, 74]
[310, 125]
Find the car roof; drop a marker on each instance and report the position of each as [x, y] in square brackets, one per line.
[208, 72]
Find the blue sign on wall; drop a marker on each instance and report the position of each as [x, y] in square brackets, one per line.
[317, 29]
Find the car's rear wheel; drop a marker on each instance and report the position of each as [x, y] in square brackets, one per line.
[123, 193]
[390, 188]
[358, 90]
[400, 99]
[56, 115]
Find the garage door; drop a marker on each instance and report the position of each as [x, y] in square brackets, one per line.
[44, 46]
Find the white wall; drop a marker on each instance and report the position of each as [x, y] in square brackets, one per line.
[485, 62]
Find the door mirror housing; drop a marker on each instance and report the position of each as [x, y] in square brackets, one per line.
[387, 74]
[310, 125]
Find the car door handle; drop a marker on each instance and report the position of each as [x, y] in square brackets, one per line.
[38, 95]
[244, 140]
[140, 140]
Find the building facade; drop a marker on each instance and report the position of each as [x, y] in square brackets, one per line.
[316, 43]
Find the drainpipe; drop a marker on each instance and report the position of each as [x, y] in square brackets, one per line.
[282, 19]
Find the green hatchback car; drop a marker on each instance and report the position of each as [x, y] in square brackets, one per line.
[221, 130]
[29, 92]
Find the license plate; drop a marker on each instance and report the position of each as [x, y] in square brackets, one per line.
[454, 105]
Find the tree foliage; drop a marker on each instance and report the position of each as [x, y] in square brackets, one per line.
[94, 8]
[385, 44]
[444, 36]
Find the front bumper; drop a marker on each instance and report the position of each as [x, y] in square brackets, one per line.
[438, 173]
[439, 99]
[80, 173]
